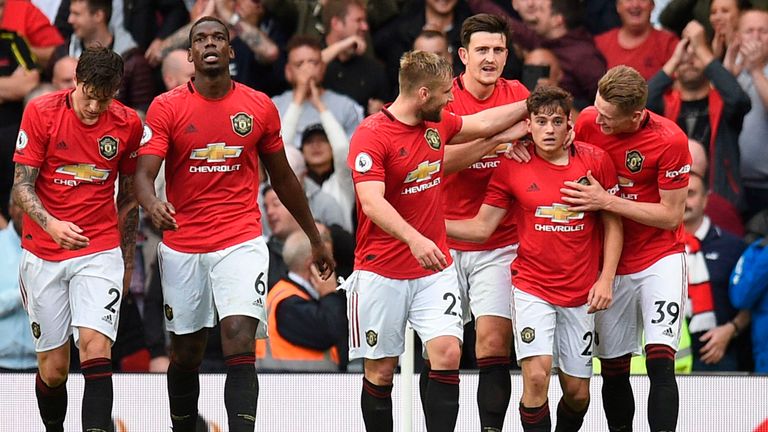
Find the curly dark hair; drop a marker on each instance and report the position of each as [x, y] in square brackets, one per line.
[101, 69]
[207, 19]
[546, 100]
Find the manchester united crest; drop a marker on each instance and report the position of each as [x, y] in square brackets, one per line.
[634, 161]
[108, 147]
[583, 181]
[36, 330]
[433, 138]
[371, 337]
[168, 312]
[528, 335]
[242, 123]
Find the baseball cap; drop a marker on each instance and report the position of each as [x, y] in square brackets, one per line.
[310, 130]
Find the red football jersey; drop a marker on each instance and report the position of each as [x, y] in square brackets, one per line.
[648, 57]
[78, 167]
[409, 160]
[558, 259]
[211, 152]
[28, 21]
[466, 197]
[653, 158]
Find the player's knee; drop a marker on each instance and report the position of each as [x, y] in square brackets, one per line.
[237, 334]
[492, 345]
[577, 394]
[445, 355]
[537, 380]
[379, 373]
[93, 344]
[54, 373]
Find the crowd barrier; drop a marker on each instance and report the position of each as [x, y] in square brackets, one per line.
[331, 403]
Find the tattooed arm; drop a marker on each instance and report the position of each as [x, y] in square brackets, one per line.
[65, 234]
[128, 222]
[265, 50]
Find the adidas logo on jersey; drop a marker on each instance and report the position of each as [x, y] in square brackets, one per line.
[62, 146]
[259, 302]
[190, 129]
[107, 318]
[533, 188]
[668, 332]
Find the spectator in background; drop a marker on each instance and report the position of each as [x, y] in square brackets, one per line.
[304, 71]
[89, 19]
[281, 224]
[395, 38]
[64, 73]
[720, 211]
[435, 42]
[712, 254]
[541, 68]
[724, 19]
[748, 290]
[350, 71]
[177, 69]
[694, 90]
[751, 72]
[17, 349]
[636, 43]
[325, 147]
[602, 16]
[29, 22]
[18, 76]
[558, 27]
[307, 316]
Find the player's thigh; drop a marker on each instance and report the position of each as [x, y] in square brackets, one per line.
[239, 282]
[618, 329]
[187, 294]
[45, 294]
[463, 264]
[663, 292]
[490, 282]
[533, 324]
[96, 291]
[377, 309]
[435, 306]
[574, 341]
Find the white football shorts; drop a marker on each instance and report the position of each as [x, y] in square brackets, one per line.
[485, 281]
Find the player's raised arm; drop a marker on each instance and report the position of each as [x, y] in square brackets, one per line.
[460, 156]
[479, 228]
[381, 212]
[160, 211]
[490, 122]
[65, 234]
[291, 194]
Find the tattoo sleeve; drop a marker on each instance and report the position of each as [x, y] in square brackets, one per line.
[261, 45]
[24, 195]
[128, 220]
[179, 39]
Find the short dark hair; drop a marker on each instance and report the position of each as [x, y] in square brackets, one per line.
[299, 40]
[483, 23]
[546, 100]
[571, 10]
[99, 5]
[337, 9]
[101, 69]
[204, 20]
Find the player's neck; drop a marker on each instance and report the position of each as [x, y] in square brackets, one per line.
[213, 87]
[479, 90]
[557, 156]
[405, 111]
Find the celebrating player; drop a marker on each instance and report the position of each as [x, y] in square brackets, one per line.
[403, 271]
[72, 147]
[483, 269]
[552, 300]
[651, 156]
[212, 131]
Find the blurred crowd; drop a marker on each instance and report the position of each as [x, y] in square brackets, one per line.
[329, 63]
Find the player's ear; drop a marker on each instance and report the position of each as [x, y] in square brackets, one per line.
[423, 93]
[528, 125]
[463, 55]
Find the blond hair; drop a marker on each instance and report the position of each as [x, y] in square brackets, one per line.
[422, 69]
[624, 88]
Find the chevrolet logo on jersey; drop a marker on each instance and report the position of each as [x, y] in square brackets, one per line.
[496, 151]
[216, 152]
[86, 172]
[625, 182]
[423, 172]
[558, 213]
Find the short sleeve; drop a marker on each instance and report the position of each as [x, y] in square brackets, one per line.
[675, 164]
[271, 140]
[128, 161]
[584, 122]
[606, 173]
[157, 133]
[367, 155]
[498, 194]
[32, 140]
[451, 124]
